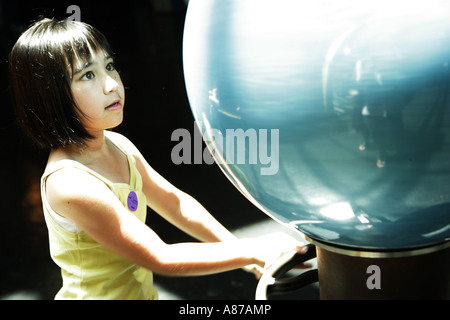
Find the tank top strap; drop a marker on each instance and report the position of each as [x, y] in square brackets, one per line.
[135, 177]
[61, 164]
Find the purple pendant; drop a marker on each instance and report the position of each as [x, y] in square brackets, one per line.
[132, 201]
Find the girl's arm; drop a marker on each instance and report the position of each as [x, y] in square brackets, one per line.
[179, 208]
[90, 204]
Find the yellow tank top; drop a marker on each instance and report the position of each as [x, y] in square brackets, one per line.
[89, 270]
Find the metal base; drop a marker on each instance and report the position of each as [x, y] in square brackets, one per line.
[405, 276]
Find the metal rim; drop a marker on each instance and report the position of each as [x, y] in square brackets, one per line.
[365, 253]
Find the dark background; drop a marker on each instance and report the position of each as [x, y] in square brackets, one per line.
[147, 38]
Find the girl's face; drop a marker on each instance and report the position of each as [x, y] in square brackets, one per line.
[99, 93]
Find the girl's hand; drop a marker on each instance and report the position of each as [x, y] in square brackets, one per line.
[268, 248]
[255, 269]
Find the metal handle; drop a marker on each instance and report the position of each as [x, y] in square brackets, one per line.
[272, 283]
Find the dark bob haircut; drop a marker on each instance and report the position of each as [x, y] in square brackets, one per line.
[41, 65]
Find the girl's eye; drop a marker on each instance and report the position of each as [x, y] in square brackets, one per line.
[110, 67]
[88, 76]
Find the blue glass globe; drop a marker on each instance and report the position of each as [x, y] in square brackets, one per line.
[330, 116]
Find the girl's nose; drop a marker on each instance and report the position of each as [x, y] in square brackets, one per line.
[110, 85]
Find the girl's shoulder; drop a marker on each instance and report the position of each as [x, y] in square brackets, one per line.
[59, 162]
[116, 136]
[125, 143]
[65, 179]
[121, 140]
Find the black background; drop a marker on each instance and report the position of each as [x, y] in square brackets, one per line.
[147, 39]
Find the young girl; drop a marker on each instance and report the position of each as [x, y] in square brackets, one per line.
[96, 186]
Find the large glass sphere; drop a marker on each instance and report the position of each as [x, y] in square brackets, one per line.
[330, 116]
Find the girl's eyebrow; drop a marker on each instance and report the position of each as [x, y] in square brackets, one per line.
[83, 67]
[88, 64]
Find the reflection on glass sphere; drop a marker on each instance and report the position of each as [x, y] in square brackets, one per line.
[352, 96]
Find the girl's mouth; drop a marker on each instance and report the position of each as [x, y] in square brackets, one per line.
[114, 106]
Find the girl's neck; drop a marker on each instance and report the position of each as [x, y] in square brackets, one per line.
[93, 148]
